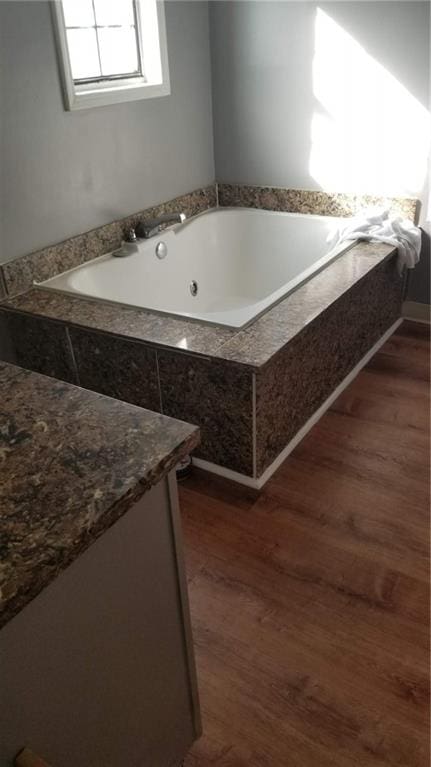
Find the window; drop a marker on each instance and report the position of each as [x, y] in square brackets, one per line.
[111, 50]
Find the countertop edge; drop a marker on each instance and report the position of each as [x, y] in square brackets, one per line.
[23, 597]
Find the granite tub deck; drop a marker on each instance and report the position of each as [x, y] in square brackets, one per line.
[72, 462]
[250, 391]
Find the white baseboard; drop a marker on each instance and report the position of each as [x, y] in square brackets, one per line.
[221, 471]
[258, 482]
[413, 310]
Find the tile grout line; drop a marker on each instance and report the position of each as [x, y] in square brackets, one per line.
[254, 433]
[3, 287]
[158, 381]
[72, 354]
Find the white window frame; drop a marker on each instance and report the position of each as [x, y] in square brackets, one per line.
[154, 55]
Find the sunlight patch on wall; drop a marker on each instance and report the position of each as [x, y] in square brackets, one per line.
[368, 133]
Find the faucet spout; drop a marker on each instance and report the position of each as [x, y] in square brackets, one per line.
[147, 229]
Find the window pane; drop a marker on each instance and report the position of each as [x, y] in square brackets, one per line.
[78, 13]
[118, 51]
[83, 54]
[114, 12]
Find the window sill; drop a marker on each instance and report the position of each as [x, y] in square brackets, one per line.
[86, 98]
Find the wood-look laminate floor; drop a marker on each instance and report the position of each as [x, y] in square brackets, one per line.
[310, 601]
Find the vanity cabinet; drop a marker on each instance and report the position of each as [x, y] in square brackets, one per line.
[98, 669]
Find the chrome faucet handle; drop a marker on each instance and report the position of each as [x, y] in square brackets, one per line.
[147, 229]
[168, 218]
[130, 235]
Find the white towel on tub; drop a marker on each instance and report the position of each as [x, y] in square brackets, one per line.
[376, 225]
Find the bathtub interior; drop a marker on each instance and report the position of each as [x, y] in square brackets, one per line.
[242, 261]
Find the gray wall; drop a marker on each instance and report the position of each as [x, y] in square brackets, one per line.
[263, 92]
[63, 173]
[264, 99]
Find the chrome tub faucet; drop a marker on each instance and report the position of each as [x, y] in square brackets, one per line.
[146, 229]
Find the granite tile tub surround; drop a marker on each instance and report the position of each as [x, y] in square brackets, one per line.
[126, 370]
[217, 396]
[19, 274]
[207, 391]
[249, 390]
[252, 346]
[298, 380]
[309, 201]
[258, 343]
[138, 324]
[71, 463]
[40, 345]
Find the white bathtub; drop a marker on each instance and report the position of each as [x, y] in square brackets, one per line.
[242, 261]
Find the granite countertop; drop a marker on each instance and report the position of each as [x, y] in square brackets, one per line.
[71, 463]
[252, 346]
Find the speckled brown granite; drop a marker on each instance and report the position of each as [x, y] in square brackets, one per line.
[259, 342]
[41, 346]
[71, 463]
[296, 382]
[205, 373]
[218, 397]
[252, 347]
[308, 201]
[20, 273]
[126, 370]
[122, 320]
